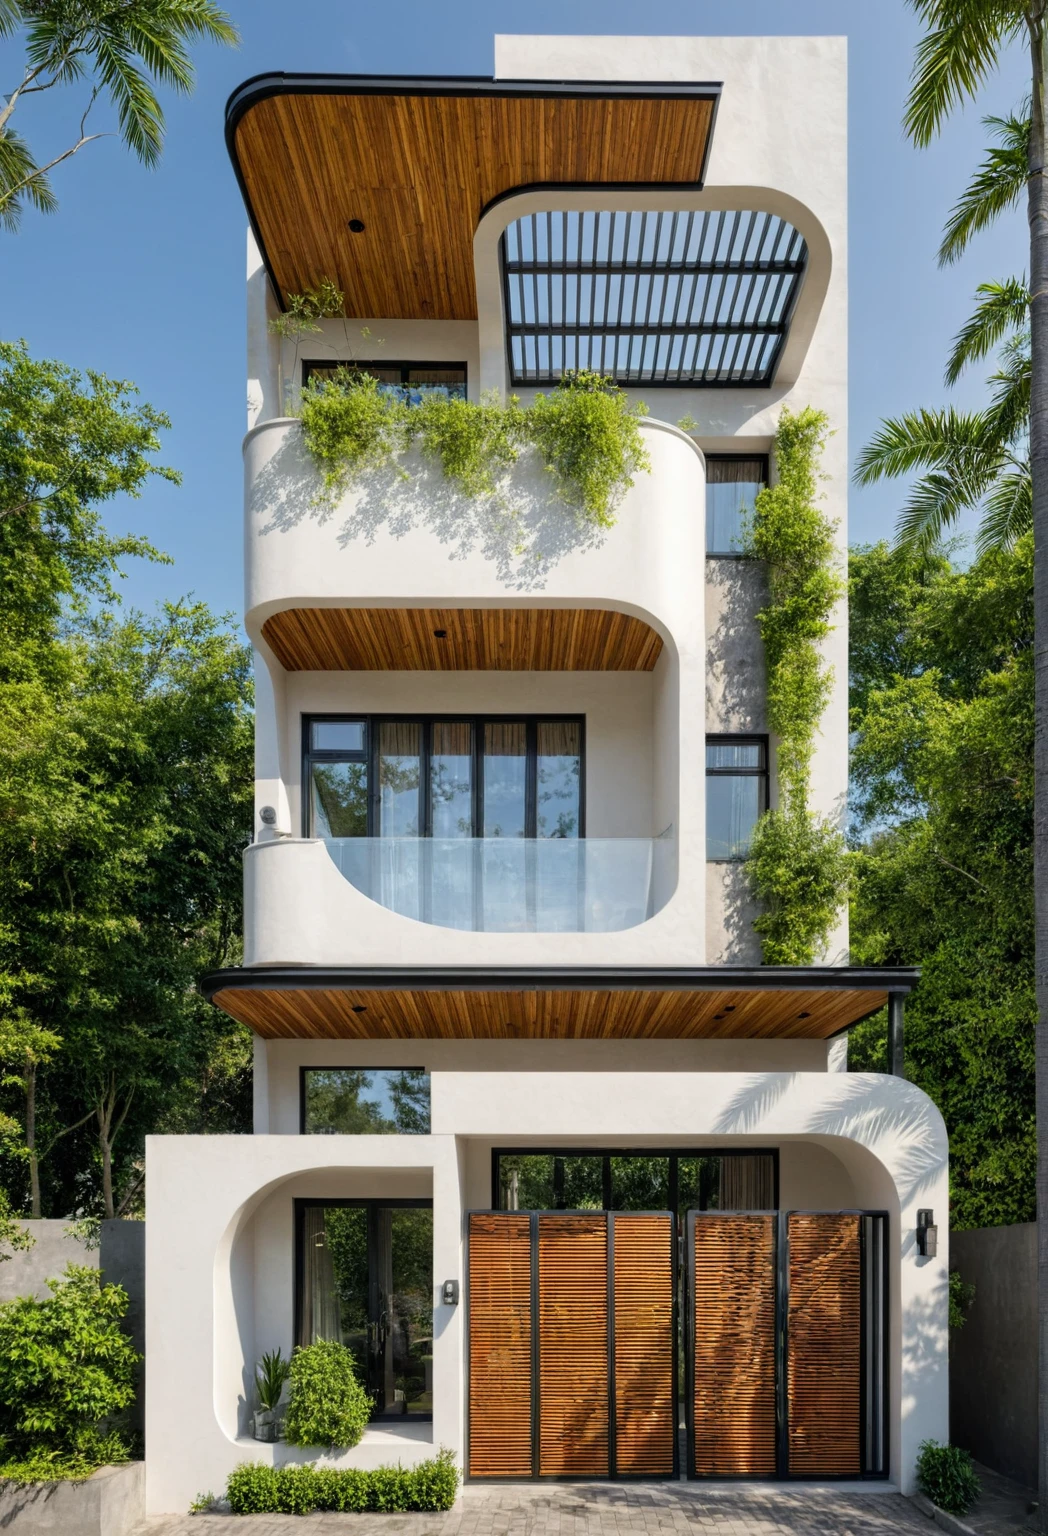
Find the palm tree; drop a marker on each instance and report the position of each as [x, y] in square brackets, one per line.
[119, 48]
[959, 50]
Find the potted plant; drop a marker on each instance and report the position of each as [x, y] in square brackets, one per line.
[271, 1373]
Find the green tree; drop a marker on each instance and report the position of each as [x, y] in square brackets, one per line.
[120, 49]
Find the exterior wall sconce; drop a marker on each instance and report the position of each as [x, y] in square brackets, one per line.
[927, 1234]
[450, 1293]
[267, 816]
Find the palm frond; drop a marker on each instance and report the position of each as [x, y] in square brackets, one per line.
[21, 182]
[141, 119]
[997, 185]
[1008, 414]
[955, 56]
[924, 440]
[935, 503]
[1002, 307]
[10, 17]
[1008, 511]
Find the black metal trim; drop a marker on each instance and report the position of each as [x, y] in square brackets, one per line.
[520, 978]
[672, 1154]
[272, 83]
[347, 1066]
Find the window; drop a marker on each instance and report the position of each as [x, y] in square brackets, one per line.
[732, 483]
[736, 793]
[365, 1101]
[411, 381]
[443, 778]
[634, 1181]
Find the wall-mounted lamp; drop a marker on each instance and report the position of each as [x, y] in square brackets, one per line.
[927, 1234]
[449, 1293]
[267, 816]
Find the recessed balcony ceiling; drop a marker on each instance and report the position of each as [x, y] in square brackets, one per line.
[461, 640]
[380, 183]
[806, 1003]
[688, 300]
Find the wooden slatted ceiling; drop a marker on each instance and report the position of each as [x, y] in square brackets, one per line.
[573, 1346]
[734, 1413]
[461, 640]
[322, 1014]
[823, 1346]
[499, 1346]
[644, 1277]
[419, 171]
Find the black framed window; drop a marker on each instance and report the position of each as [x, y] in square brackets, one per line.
[732, 483]
[364, 1101]
[736, 793]
[507, 777]
[638, 1179]
[411, 382]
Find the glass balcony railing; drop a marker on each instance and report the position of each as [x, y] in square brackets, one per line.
[512, 885]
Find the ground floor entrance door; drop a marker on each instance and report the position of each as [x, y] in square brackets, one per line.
[365, 1277]
[572, 1344]
[786, 1344]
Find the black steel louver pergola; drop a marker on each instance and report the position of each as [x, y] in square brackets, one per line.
[686, 300]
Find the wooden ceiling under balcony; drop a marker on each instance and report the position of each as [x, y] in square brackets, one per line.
[416, 163]
[461, 640]
[315, 1013]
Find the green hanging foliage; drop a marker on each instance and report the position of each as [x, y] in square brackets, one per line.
[585, 430]
[798, 866]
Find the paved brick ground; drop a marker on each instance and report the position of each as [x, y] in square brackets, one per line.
[597, 1510]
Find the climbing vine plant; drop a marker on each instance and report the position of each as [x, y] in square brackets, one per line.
[798, 864]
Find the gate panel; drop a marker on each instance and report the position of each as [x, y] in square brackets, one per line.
[500, 1322]
[734, 1417]
[824, 1346]
[573, 1345]
[644, 1277]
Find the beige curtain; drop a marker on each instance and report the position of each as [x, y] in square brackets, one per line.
[321, 1316]
[558, 738]
[731, 471]
[507, 738]
[400, 738]
[747, 1183]
[451, 738]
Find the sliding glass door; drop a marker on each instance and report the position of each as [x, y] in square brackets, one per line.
[365, 1278]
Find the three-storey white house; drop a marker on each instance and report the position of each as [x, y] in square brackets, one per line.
[587, 1189]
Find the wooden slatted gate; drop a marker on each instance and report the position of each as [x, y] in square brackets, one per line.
[572, 1344]
[786, 1358]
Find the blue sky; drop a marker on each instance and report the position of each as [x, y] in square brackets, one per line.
[141, 273]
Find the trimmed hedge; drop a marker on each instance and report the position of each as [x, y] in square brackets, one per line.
[947, 1476]
[255, 1489]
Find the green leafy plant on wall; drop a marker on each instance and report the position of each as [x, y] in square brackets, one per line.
[798, 866]
[585, 430]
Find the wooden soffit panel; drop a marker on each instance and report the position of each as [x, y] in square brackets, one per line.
[314, 1013]
[418, 161]
[461, 640]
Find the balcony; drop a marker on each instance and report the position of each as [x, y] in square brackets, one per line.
[512, 885]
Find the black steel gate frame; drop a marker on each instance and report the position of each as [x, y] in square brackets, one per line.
[782, 1297]
[613, 1475]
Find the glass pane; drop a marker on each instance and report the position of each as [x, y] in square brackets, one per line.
[698, 1183]
[732, 808]
[734, 754]
[559, 769]
[399, 767]
[726, 507]
[578, 1183]
[505, 778]
[449, 382]
[348, 1101]
[409, 1311]
[334, 1296]
[451, 779]
[747, 1183]
[640, 1183]
[340, 799]
[526, 1183]
[337, 735]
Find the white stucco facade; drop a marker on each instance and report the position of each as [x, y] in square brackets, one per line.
[221, 1243]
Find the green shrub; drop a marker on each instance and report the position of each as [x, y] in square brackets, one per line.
[326, 1405]
[351, 424]
[947, 1476]
[589, 436]
[66, 1379]
[474, 444]
[254, 1489]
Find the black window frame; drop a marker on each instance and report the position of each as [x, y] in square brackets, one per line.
[607, 1153]
[738, 739]
[353, 1066]
[476, 723]
[360, 365]
[722, 458]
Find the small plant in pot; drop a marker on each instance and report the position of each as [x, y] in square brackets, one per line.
[271, 1373]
